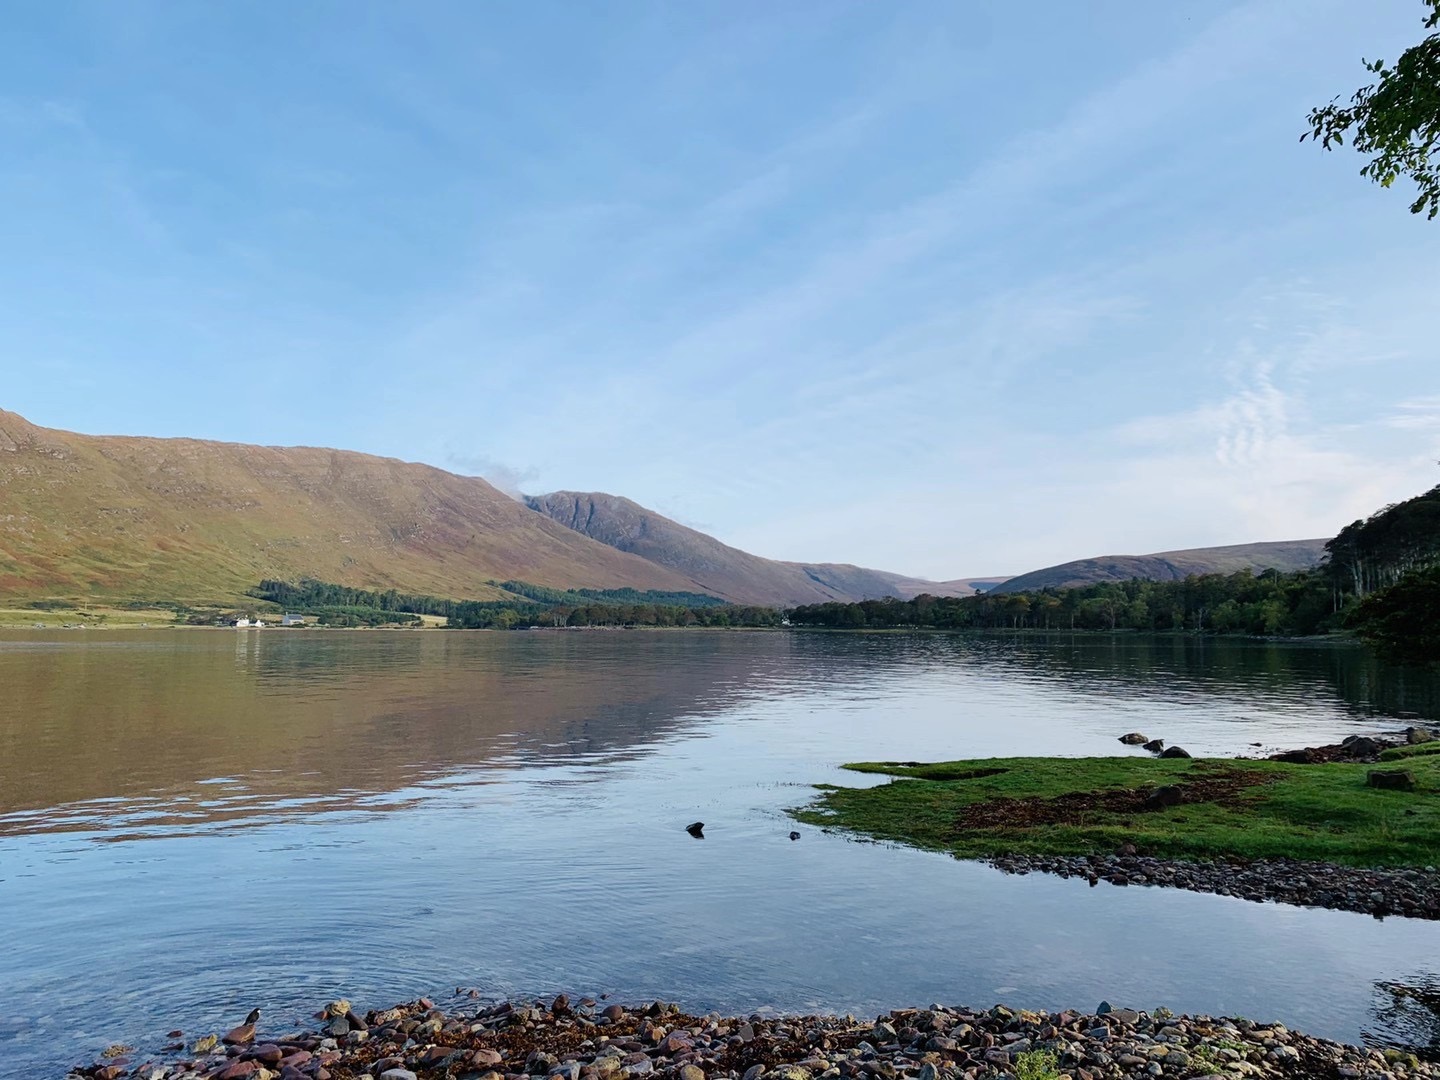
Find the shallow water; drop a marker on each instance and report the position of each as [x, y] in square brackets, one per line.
[196, 823]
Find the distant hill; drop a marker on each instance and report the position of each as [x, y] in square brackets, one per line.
[719, 568]
[1287, 555]
[183, 519]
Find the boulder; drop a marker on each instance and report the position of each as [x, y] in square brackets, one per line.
[238, 1036]
[1155, 745]
[1296, 757]
[1133, 739]
[1417, 735]
[1161, 797]
[1363, 747]
[1175, 752]
[1391, 779]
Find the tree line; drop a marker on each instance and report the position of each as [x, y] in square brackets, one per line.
[1380, 578]
[535, 605]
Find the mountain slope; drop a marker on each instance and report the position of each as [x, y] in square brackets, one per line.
[1284, 555]
[719, 568]
[183, 519]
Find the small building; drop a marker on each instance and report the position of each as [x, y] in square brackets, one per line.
[241, 624]
[291, 619]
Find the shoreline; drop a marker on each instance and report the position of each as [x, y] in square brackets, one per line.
[593, 1040]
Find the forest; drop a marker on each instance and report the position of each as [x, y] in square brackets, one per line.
[1380, 579]
[340, 605]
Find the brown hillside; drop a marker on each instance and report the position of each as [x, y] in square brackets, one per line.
[1286, 555]
[716, 567]
[140, 518]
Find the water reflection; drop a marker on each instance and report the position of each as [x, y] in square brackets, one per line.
[201, 822]
[1407, 1014]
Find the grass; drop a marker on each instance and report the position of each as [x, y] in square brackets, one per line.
[1400, 753]
[1037, 1065]
[93, 615]
[1078, 806]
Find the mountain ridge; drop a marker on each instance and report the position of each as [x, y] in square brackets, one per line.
[716, 566]
[1286, 555]
[190, 520]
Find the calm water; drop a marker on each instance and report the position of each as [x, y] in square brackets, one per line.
[195, 823]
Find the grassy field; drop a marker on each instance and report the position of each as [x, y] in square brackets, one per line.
[98, 616]
[1076, 806]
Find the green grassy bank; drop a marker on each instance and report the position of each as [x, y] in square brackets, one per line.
[1079, 806]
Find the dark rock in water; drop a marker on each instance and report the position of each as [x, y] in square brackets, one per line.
[794, 836]
[1133, 739]
[1155, 745]
[1416, 735]
[1296, 757]
[1161, 797]
[696, 829]
[1103, 1008]
[1391, 779]
[1175, 752]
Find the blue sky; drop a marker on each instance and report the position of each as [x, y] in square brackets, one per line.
[944, 288]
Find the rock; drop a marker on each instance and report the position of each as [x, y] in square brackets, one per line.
[789, 1072]
[1134, 738]
[794, 835]
[696, 829]
[1154, 746]
[1391, 779]
[613, 1012]
[560, 1006]
[238, 1070]
[677, 1042]
[1174, 752]
[691, 1072]
[398, 1074]
[1161, 797]
[1417, 735]
[486, 1056]
[205, 1044]
[338, 1027]
[238, 1036]
[266, 1054]
[1297, 757]
[754, 1072]
[1363, 747]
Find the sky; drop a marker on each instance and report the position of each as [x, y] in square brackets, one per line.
[944, 288]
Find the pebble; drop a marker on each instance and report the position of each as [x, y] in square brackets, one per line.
[1411, 893]
[510, 1042]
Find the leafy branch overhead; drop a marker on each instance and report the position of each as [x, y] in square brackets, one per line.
[1396, 120]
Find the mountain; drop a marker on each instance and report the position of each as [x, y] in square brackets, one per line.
[127, 518]
[183, 519]
[718, 568]
[1284, 555]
